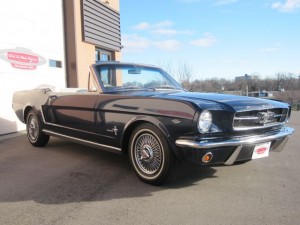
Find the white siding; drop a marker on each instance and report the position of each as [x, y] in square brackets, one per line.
[35, 26]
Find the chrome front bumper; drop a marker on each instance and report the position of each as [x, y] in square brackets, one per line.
[238, 142]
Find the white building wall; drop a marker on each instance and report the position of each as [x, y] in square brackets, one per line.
[31, 33]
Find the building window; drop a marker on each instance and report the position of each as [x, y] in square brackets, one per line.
[102, 55]
[55, 63]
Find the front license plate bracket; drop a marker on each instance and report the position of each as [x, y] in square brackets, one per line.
[261, 150]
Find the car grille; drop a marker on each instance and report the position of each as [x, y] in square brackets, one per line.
[257, 119]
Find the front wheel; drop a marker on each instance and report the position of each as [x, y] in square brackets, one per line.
[34, 130]
[152, 159]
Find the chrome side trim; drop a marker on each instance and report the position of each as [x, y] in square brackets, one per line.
[231, 142]
[82, 141]
[70, 128]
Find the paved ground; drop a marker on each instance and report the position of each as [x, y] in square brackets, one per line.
[69, 184]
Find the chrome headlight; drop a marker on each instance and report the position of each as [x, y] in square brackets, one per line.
[204, 122]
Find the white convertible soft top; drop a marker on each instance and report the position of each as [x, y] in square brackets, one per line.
[61, 89]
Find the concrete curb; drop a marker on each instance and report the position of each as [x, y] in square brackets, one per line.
[12, 135]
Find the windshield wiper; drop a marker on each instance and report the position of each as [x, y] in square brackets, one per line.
[154, 88]
[127, 88]
[162, 87]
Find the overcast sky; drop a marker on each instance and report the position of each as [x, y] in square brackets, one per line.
[217, 38]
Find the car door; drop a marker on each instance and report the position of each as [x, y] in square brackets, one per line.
[73, 114]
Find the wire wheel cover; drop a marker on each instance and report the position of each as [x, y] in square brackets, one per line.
[148, 153]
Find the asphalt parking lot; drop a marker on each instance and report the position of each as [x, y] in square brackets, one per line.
[70, 184]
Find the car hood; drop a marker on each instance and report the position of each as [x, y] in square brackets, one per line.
[218, 101]
[214, 101]
[227, 102]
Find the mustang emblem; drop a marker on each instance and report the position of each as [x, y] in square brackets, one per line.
[265, 116]
[113, 130]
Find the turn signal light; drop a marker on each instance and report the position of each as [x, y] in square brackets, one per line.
[207, 157]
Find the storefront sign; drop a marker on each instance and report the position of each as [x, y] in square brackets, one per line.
[22, 58]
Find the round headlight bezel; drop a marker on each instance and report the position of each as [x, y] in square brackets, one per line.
[205, 122]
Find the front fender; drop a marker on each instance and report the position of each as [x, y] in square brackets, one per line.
[134, 122]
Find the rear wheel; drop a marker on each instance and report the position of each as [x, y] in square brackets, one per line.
[34, 130]
[152, 159]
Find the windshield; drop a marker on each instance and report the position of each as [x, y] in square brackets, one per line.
[114, 78]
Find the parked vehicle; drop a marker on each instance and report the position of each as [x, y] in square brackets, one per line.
[141, 111]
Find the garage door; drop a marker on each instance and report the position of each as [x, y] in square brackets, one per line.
[31, 52]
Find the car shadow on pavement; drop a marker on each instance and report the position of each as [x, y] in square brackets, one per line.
[64, 172]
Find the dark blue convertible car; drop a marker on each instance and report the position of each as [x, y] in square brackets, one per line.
[141, 111]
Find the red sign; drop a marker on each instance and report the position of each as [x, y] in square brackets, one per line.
[261, 150]
[22, 58]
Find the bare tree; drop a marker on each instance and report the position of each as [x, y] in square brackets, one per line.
[280, 82]
[167, 66]
[185, 71]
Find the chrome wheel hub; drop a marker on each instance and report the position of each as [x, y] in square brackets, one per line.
[33, 129]
[148, 153]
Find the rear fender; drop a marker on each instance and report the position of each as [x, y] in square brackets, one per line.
[27, 109]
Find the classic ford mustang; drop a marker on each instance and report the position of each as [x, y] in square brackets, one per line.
[141, 111]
